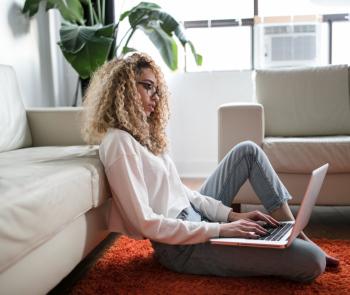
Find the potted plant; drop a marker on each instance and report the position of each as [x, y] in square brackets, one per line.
[87, 40]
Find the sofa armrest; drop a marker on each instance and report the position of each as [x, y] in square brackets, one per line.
[55, 126]
[239, 122]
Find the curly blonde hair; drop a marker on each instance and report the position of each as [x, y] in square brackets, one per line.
[112, 101]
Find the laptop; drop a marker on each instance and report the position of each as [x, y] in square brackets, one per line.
[282, 236]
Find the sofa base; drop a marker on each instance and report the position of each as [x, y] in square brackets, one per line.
[43, 268]
[335, 190]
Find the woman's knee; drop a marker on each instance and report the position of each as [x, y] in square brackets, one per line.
[314, 270]
[248, 144]
[311, 263]
[246, 147]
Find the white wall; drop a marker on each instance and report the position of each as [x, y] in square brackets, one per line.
[20, 47]
[27, 45]
[193, 123]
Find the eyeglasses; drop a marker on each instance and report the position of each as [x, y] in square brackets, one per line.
[150, 88]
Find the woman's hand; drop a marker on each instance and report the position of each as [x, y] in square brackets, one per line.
[253, 216]
[241, 229]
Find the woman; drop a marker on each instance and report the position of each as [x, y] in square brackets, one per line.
[126, 111]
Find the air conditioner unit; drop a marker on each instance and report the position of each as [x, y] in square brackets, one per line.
[284, 45]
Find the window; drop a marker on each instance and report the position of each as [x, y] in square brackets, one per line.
[223, 48]
[341, 49]
[226, 33]
[301, 7]
[187, 10]
[217, 34]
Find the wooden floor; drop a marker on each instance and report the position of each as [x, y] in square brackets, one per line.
[326, 222]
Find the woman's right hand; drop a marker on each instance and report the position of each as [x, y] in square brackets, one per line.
[241, 229]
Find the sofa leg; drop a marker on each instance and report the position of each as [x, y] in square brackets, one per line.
[236, 207]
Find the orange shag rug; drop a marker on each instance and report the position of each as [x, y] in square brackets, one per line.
[128, 267]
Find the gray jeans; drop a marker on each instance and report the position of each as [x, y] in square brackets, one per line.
[302, 261]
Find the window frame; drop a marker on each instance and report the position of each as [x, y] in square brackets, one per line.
[327, 18]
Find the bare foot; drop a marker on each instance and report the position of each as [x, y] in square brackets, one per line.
[330, 260]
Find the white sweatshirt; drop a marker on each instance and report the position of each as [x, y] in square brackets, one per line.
[148, 195]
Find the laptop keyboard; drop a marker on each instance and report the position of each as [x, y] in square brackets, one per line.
[276, 233]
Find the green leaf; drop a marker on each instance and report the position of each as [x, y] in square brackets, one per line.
[31, 7]
[86, 48]
[143, 6]
[71, 10]
[165, 44]
[128, 49]
[198, 58]
[168, 23]
[146, 16]
[107, 30]
[181, 36]
[143, 14]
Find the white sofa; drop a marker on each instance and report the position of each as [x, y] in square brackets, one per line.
[53, 193]
[301, 119]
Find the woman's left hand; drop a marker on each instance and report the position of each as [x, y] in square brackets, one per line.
[253, 216]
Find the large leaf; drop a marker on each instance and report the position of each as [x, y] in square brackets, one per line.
[128, 49]
[31, 6]
[149, 16]
[165, 44]
[171, 26]
[141, 6]
[198, 57]
[71, 10]
[86, 48]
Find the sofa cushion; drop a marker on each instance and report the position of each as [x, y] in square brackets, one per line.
[303, 154]
[14, 128]
[43, 189]
[305, 101]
